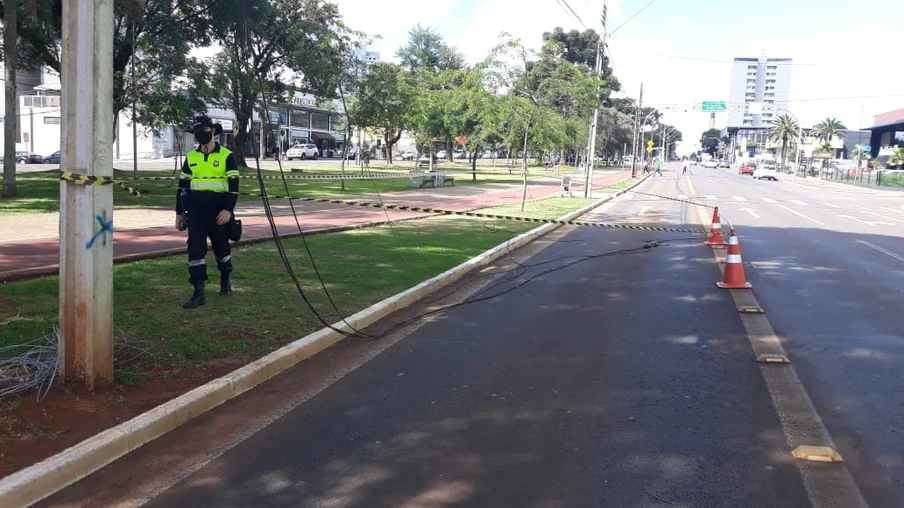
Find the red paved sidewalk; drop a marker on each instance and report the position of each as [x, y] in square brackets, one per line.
[27, 258]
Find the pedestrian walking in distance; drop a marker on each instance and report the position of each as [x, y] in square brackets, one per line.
[658, 165]
[205, 204]
[685, 165]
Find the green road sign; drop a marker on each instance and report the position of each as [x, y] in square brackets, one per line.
[714, 106]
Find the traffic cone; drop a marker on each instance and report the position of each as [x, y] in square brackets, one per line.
[715, 235]
[734, 268]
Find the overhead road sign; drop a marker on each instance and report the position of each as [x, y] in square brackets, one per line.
[711, 106]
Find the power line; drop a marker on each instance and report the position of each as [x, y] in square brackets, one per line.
[632, 17]
[568, 10]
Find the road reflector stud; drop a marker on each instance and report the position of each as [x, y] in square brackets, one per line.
[817, 454]
[750, 309]
[772, 358]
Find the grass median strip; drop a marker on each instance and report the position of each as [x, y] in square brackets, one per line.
[171, 350]
[40, 192]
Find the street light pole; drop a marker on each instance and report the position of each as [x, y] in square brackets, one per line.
[637, 111]
[86, 211]
[591, 156]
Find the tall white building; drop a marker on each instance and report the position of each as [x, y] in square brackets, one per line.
[368, 57]
[759, 91]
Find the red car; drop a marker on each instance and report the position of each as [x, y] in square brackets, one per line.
[746, 168]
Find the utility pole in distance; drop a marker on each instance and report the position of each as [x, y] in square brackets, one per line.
[637, 111]
[86, 211]
[591, 155]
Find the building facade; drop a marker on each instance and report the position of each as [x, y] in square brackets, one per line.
[760, 88]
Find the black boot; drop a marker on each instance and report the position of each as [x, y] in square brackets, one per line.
[197, 298]
[225, 285]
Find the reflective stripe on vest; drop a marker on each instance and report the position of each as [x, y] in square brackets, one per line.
[209, 175]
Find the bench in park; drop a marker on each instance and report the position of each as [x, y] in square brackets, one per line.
[419, 179]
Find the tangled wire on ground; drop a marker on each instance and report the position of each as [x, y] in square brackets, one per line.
[33, 365]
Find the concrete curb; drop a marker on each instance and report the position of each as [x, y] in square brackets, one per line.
[32, 484]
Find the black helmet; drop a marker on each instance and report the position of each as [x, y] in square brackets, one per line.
[205, 121]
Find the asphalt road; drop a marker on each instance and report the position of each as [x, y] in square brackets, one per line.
[827, 264]
[624, 380]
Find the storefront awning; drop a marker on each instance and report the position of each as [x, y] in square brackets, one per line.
[320, 135]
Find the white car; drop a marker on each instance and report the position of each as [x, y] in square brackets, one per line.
[765, 172]
[711, 163]
[308, 151]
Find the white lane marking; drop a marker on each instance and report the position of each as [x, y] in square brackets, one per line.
[796, 202]
[751, 211]
[882, 250]
[891, 209]
[682, 196]
[739, 198]
[628, 196]
[795, 212]
[653, 198]
[829, 204]
[866, 211]
[644, 209]
[873, 223]
[770, 200]
[710, 197]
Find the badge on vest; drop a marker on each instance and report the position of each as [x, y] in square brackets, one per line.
[216, 164]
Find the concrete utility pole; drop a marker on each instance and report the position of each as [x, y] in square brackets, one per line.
[11, 116]
[637, 111]
[591, 156]
[86, 211]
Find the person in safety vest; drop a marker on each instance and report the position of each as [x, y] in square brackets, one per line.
[208, 190]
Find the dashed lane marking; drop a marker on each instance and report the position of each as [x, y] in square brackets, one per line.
[882, 250]
[798, 202]
[795, 212]
[710, 197]
[770, 200]
[682, 196]
[739, 198]
[830, 204]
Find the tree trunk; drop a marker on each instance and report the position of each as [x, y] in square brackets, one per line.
[524, 160]
[474, 163]
[391, 140]
[10, 52]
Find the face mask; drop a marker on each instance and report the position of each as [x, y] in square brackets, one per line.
[203, 137]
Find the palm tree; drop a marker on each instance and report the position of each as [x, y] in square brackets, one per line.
[829, 129]
[897, 158]
[784, 129]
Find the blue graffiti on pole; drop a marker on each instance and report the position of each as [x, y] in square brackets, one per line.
[105, 227]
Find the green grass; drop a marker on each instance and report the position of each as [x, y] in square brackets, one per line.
[624, 184]
[359, 268]
[39, 192]
[551, 208]
[894, 180]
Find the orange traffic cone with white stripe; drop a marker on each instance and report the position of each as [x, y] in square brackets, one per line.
[733, 278]
[715, 235]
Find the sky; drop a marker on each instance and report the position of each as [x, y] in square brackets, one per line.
[845, 53]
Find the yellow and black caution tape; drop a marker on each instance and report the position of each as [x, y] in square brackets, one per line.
[480, 215]
[673, 199]
[79, 179]
[366, 176]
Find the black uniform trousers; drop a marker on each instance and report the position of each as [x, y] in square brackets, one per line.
[202, 224]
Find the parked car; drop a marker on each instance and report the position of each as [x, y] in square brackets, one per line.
[406, 156]
[53, 158]
[746, 168]
[711, 163]
[28, 158]
[308, 151]
[765, 172]
[724, 163]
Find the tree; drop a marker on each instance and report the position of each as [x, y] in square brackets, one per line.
[897, 158]
[272, 48]
[384, 102]
[426, 50]
[710, 141]
[784, 129]
[828, 129]
[158, 33]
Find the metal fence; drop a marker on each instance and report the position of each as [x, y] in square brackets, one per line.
[862, 177]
